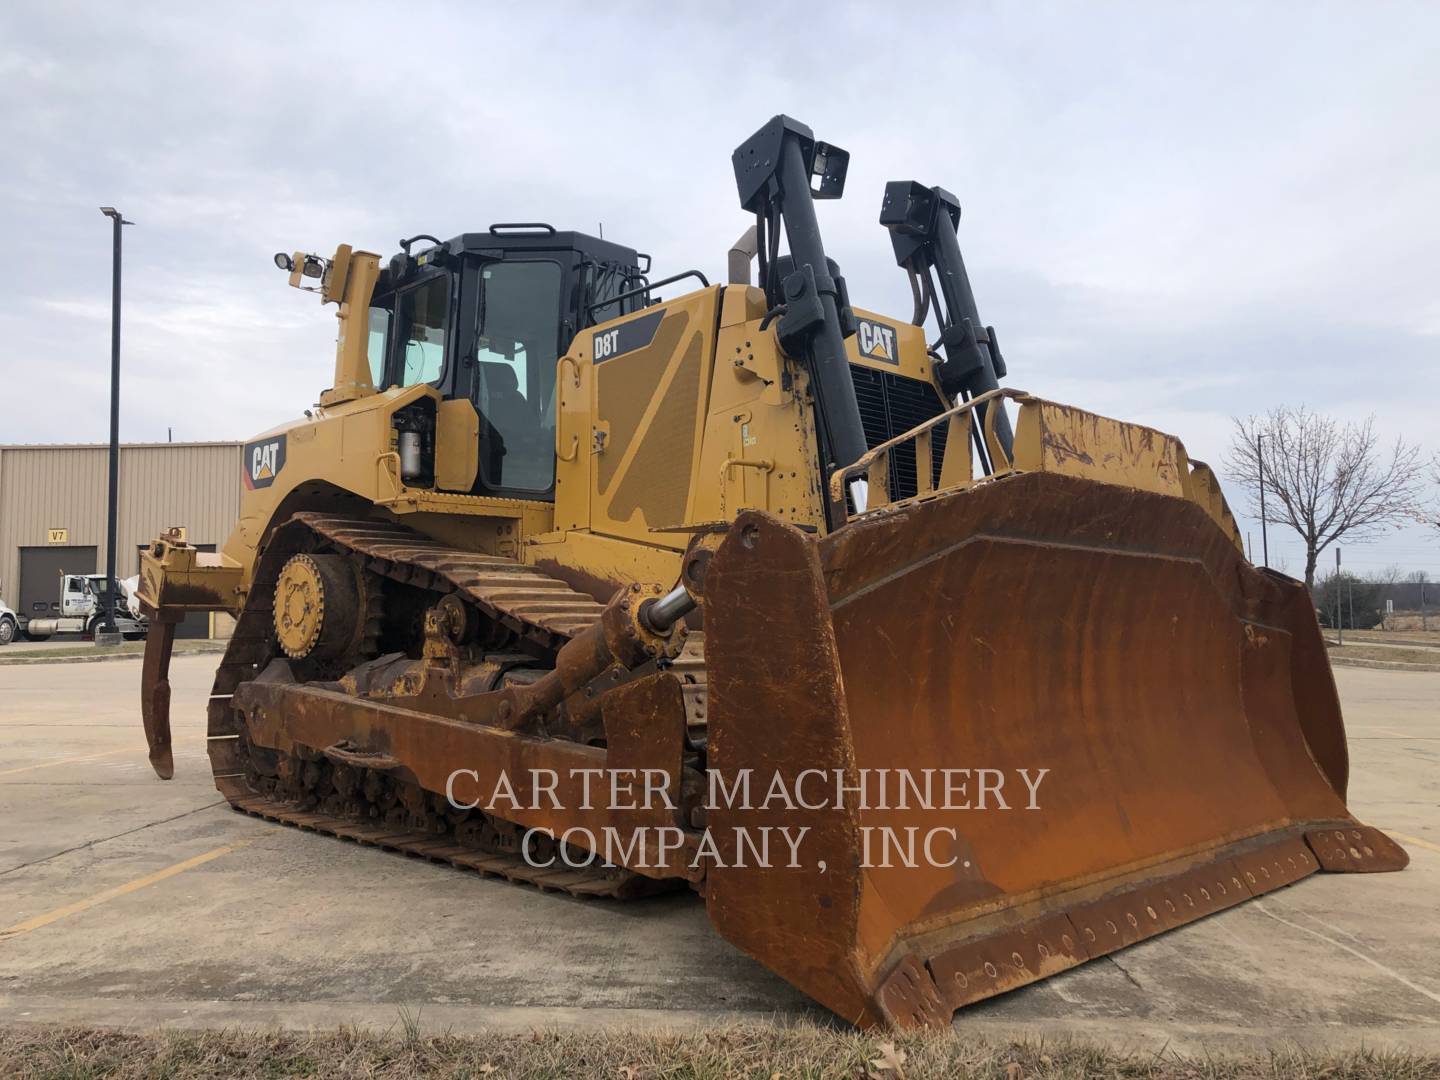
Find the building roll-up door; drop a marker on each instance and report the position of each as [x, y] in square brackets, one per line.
[40, 570]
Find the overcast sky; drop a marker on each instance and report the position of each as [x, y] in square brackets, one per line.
[1171, 215]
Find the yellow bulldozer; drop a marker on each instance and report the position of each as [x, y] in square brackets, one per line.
[928, 686]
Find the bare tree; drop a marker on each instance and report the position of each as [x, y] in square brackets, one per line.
[1429, 513]
[1323, 479]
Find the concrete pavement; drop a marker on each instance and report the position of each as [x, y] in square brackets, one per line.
[142, 902]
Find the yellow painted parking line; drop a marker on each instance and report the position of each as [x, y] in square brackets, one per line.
[1426, 844]
[68, 760]
[119, 890]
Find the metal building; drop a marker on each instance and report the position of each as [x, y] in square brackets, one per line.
[53, 506]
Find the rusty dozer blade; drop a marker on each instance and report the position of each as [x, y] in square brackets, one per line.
[1171, 704]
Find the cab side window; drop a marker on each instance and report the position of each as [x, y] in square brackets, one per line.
[424, 318]
[379, 330]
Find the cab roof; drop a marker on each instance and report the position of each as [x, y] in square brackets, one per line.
[536, 236]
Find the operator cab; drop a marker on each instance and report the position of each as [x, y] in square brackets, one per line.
[486, 317]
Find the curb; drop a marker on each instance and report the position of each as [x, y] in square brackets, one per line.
[1382, 665]
[102, 658]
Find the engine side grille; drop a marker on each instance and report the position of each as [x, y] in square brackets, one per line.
[891, 405]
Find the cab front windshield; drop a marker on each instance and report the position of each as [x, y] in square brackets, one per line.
[516, 349]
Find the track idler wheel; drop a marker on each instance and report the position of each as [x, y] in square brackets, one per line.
[317, 606]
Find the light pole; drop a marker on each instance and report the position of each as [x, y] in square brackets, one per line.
[1339, 624]
[110, 636]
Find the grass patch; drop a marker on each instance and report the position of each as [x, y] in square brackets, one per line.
[1414, 637]
[767, 1052]
[1395, 637]
[38, 653]
[1390, 654]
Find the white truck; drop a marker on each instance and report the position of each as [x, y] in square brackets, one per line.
[9, 624]
[82, 609]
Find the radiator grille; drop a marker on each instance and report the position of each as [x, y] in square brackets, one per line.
[891, 405]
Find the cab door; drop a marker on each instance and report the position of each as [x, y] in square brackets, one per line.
[76, 599]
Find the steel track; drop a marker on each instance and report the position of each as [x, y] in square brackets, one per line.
[541, 609]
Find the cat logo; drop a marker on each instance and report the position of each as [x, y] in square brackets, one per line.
[263, 462]
[876, 341]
